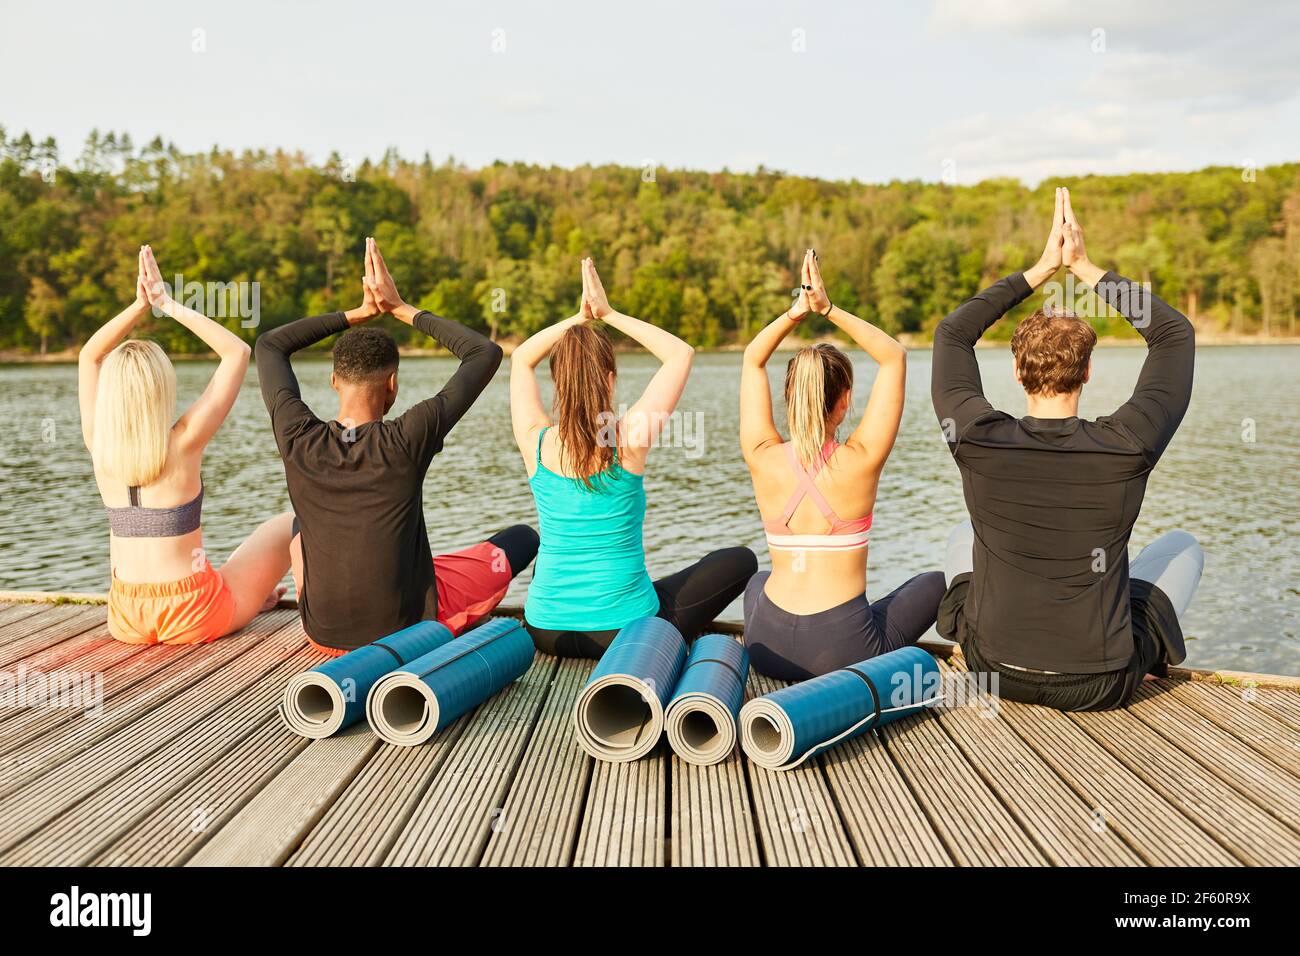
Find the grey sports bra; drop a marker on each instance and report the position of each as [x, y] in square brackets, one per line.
[136, 521]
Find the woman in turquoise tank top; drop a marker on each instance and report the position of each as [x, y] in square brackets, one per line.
[587, 473]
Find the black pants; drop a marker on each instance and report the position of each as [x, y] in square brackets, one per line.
[1157, 639]
[519, 542]
[689, 600]
[788, 646]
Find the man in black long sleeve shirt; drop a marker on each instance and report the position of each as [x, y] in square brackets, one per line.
[1040, 591]
[361, 558]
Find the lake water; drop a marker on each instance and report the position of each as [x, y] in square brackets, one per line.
[1230, 478]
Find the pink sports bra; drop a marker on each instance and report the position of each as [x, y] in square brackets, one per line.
[842, 535]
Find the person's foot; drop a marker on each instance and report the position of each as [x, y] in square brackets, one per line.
[273, 599]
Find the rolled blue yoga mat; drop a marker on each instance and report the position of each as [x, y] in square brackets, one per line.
[619, 714]
[414, 702]
[783, 729]
[323, 701]
[701, 718]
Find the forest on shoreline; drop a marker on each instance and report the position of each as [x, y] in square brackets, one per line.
[710, 256]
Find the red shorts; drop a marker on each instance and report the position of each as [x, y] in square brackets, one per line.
[470, 583]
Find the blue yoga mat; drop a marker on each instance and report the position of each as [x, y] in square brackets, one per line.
[619, 714]
[411, 704]
[323, 701]
[783, 729]
[701, 718]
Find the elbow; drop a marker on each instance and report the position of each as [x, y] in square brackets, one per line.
[492, 354]
[263, 348]
[238, 353]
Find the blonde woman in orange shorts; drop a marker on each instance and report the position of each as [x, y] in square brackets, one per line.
[147, 467]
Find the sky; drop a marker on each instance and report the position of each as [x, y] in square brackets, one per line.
[955, 90]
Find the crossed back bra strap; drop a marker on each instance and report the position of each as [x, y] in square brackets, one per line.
[805, 486]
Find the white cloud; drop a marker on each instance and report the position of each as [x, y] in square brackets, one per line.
[1056, 140]
[1222, 73]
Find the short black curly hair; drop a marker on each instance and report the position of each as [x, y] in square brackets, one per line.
[364, 355]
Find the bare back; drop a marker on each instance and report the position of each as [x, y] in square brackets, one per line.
[153, 560]
[805, 582]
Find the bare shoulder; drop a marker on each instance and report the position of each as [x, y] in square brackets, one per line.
[767, 455]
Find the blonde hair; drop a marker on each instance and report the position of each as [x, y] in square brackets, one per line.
[816, 378]
[134, 407]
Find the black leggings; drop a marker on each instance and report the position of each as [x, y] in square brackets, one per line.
[689, 600]
[788, 646]
[519, 542]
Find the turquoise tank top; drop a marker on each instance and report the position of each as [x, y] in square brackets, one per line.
[590, 573]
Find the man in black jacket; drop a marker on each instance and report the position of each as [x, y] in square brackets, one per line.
[1040, 589]
[361, 557]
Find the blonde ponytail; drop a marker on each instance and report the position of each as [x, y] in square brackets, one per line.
[134, 408]
[815, 380]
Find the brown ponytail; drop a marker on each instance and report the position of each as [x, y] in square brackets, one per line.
[581, 364]
[816, 378]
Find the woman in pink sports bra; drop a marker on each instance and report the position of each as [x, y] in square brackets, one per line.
[810, 614]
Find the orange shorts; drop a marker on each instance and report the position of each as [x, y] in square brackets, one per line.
[193, 610]
[470, 583]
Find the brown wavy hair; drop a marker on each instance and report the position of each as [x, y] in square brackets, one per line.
[1052, 351]
[581, 364]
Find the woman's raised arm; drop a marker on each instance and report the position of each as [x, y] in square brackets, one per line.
[646, 418]
[202, 419]
[106, 338]
[878, 429]
[757, 428]
[527, 413]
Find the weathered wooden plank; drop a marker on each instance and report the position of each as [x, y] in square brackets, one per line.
[1252, 774]
[452, 823]
[91, 650]
[362, 825]
[1230, 708]
[626, 813]
[78, 661]
[1153, 826]
[1063, 826]
[272, 825]
[28, 723]
[538, 825]
[82, 806]
[171, 833]
[976, 828]
[886, 824]
[798, 824]
[1249, 833]
[70, 775]
[712, 824]
[44, 738]
[11, 614]
[1283, 705]
[41, 631]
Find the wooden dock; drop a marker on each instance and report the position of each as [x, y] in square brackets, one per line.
[186, 762]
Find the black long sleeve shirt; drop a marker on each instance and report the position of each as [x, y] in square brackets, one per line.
[358, 492]
[1053, 501]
